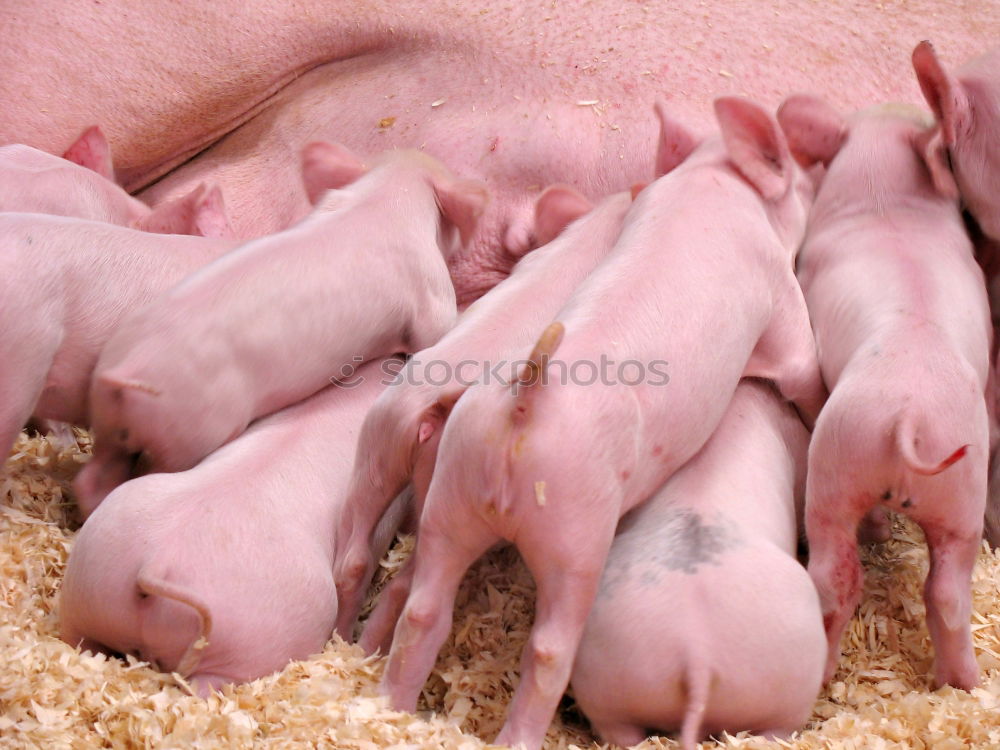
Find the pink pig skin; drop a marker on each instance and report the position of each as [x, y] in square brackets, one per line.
[988, 257]
[902, 325]
[65, 285]
[701, 277]
[81, 184]
[363, 276]
[704, 619]
[397, 434]
[229, 91]
[967, 106]
[235, 550]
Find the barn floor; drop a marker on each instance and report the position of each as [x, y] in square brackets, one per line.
[52, 696]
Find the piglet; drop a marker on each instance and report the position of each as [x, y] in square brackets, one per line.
[400, 433]
[66, 284]
[902, 325]
[697, 292]
[223, 573]
[967, 107]
[81, 184]
[704, 620]
[363, 276]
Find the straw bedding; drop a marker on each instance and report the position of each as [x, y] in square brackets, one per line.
[53, 696]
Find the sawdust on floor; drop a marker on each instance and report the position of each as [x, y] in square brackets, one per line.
[51, 695]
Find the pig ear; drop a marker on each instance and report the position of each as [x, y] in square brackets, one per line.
[676, 141]
[815, 130]
[210, 216]
[756, 145]
[462, 202]
[945, 95]
[152, 583]
[556, 208]
[91, 150]
[329, 166]
[930, 145]
[435, 415]
[200, 212]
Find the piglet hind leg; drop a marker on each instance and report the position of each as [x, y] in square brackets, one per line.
[440, 562]
[948, 598]
[831, 526]
[567, 570]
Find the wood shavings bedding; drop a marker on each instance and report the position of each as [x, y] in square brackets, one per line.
[52, 696]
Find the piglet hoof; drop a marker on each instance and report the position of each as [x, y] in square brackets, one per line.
[962, 676]
[776, 735]
[204, 685]
[991, 524]
[623, 735]
[832, 660]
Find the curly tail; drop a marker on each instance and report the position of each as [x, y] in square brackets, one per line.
[906, 444]
[153, 585]
[531, 374]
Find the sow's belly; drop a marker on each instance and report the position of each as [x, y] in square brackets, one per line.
[521, 98]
